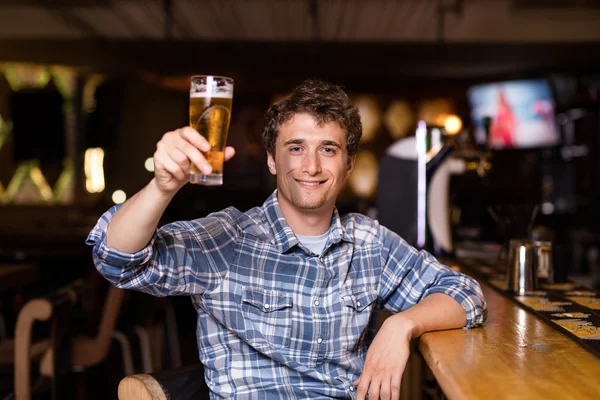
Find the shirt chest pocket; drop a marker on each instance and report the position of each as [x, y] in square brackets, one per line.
[356, 314]
[268, 315]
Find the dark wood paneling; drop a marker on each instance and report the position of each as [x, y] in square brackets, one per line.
[270, 67]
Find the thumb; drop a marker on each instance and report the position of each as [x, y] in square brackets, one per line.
[357, 382]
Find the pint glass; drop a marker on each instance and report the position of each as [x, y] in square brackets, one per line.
[210, 112]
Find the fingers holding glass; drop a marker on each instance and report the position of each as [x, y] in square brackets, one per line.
[229, 153]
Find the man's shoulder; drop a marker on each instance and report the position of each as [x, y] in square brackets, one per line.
[251, 221]
[360, 227]
[359, 220]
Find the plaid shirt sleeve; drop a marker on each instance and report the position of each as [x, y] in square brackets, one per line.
[182, 258]
[409, 275]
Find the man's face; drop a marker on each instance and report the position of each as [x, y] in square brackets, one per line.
[311, 163]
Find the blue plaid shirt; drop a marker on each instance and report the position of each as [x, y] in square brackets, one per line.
[274, 320]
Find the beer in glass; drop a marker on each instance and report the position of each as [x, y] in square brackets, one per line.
[210, 112]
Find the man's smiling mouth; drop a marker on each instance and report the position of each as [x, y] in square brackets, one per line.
[310, 184]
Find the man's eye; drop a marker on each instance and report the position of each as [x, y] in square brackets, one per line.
[329, 150]
[295, 149]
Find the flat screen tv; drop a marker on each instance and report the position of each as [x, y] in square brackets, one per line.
[520, 114]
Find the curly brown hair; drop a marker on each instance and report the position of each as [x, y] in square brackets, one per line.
[324, 102]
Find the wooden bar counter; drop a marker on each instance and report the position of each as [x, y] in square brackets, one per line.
[514, 355]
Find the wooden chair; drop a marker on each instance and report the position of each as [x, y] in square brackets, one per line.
[82, 352]
[90, 351]
[185, 383]
[56, 308]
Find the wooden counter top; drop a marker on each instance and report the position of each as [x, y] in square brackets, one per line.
[514, 355]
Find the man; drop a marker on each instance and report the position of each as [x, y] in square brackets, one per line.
[287, 293]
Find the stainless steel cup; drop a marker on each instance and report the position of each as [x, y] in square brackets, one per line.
[529, 261]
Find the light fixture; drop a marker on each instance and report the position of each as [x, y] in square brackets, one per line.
[28, 185]
[399, 118]
[24, 75]
[94, 170]
[119, 196]
[65, 79]
[363, 180]
[370, 117]
[435, 111]
[453, 124]
[149, 164]
[89, 90]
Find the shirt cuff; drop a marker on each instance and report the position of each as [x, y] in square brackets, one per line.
[112, 257]
[471, 300]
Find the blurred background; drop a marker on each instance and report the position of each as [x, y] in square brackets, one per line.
[507, 92]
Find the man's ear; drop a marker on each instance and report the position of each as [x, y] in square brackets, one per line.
[351, 162]
[271, 163]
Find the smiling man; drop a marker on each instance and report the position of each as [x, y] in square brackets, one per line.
[311, 164]
[287, 293]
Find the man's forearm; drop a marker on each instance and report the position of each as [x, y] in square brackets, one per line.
[135, 222]
[437, 311]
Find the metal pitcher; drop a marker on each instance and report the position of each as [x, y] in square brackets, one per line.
[529, 263]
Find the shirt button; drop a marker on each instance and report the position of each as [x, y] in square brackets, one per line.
[266, 306]
[316, 303]
[319, 340]
[352, 388]
[358, 304]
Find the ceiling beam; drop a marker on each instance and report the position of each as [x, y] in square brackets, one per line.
[555, 4]
[279, 63]
[56, 3]
[72, 21]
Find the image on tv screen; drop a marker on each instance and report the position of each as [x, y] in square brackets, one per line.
[522, 114]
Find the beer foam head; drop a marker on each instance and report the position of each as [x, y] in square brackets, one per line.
[219, 95]
[212, 86]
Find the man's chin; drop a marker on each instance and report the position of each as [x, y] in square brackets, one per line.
[310, 205]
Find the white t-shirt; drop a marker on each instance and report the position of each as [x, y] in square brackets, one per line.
[316, 244]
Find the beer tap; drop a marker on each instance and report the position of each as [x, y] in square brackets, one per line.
[483, 149]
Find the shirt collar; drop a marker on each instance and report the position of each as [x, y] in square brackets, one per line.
[283, 236]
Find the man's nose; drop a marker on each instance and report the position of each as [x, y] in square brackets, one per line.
[312, 164]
